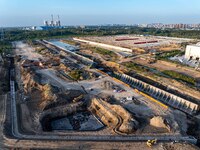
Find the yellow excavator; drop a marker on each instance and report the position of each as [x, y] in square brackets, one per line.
[150, 143]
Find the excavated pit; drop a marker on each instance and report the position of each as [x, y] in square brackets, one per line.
[79, 121]
[59, 112]
[73, 116]
[58, 108]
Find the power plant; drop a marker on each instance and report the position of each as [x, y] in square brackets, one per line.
[52, 24]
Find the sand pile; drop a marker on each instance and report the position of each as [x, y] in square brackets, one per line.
[159, 122]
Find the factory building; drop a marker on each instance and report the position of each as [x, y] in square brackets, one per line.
[193, 52]
[52, 24]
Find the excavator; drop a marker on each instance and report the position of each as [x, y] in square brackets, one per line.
[150, 143]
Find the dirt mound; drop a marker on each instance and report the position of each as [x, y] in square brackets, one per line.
[35, 84]
[48, 96]
[159, 122]
[64, 98]
[33, 81]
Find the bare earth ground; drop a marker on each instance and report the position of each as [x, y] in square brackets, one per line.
[25, 50]
[154, 108]
[107, 146]
[162, 41]
[146, 108]
[149, 108]
[163, 65]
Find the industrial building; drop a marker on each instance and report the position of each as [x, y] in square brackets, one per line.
[52, 24]
[193, 52]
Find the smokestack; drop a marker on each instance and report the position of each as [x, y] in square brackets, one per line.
[52, 23]
[51, 17]
[58, 18]
[58, 23]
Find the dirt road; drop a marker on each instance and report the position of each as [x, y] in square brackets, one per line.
[26, 50]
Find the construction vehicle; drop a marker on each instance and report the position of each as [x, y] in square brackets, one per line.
[150, 143]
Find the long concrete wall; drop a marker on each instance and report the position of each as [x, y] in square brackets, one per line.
[106, 46]
[159, 94]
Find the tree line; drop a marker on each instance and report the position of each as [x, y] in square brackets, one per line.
[19, 34]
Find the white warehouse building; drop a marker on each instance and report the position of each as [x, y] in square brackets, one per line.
[192, 52]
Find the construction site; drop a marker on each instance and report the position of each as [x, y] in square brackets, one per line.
[98, 89]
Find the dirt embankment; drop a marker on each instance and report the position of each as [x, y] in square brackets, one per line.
[114, 116]
[159, 122]
[36, 96]
[36, 84]
[45, 101]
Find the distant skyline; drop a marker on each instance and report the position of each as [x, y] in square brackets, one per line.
[96, 12]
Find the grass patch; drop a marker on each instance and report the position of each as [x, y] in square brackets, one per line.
[180, 77]
[108, 55]
[104, 52]
[133, 66]
[167, 55]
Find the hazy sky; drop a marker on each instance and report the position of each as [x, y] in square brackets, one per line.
[83, 12]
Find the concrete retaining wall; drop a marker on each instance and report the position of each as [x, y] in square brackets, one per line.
[159, 94]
